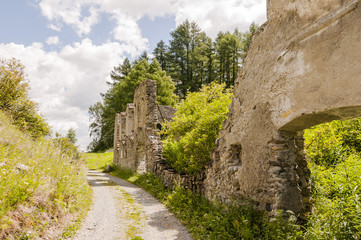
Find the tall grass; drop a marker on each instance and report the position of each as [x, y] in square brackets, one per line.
[38, 185]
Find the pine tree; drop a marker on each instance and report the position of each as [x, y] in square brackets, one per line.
[160, 53]
[187, 57]
[121, 71]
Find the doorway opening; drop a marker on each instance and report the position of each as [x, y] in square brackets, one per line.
[333, 152]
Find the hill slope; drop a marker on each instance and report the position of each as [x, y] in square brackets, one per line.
[41, 189]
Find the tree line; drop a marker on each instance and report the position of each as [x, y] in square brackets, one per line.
[193, 59]
[190, 60]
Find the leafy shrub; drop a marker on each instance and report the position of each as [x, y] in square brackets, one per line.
[333, 151]
[207, 220]
[14, 99]
[328, 144]
[191, 135]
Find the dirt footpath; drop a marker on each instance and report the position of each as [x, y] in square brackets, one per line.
[122, 210]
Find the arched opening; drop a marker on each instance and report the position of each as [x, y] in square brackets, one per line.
[325, 149]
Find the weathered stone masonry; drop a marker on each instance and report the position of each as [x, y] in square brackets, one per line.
[303, 68]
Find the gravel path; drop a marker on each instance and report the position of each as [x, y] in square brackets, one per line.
[122, 210]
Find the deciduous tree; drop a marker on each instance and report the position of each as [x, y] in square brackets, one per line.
[102, 114]
[15, 101]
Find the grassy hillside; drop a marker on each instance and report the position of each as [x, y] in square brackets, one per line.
[42, 191]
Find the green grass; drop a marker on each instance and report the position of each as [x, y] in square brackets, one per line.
[39, 185]
[98, 161]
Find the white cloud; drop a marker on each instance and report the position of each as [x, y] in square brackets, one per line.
[128, 32]
[52, 40]
[213, 16]
[80, 14]
[67, 82]
[55, 27]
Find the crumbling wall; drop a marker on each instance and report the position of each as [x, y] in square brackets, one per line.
[137, 144]
[302, 69]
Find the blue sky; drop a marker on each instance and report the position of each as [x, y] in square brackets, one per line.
[69, 47]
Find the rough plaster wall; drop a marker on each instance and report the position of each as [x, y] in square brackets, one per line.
[302, 69]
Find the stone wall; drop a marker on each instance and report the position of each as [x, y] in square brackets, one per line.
[137, 144]
[302, 69]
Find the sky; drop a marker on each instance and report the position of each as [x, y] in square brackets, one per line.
[69, 47]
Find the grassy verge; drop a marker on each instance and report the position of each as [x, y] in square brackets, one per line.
[206, 220]
[40, 187]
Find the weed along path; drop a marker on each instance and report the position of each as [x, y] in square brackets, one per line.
[122, 210]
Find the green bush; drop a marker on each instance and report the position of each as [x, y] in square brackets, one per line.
[330, 143]
[14, 99]
[207, 220]
[333, 151]
[191, 136]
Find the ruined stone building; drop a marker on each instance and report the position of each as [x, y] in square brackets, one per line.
[303, 68]
[137, 144]
[136, 129]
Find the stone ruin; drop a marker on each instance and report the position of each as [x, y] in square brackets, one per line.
[302, 69]
[137, 144]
